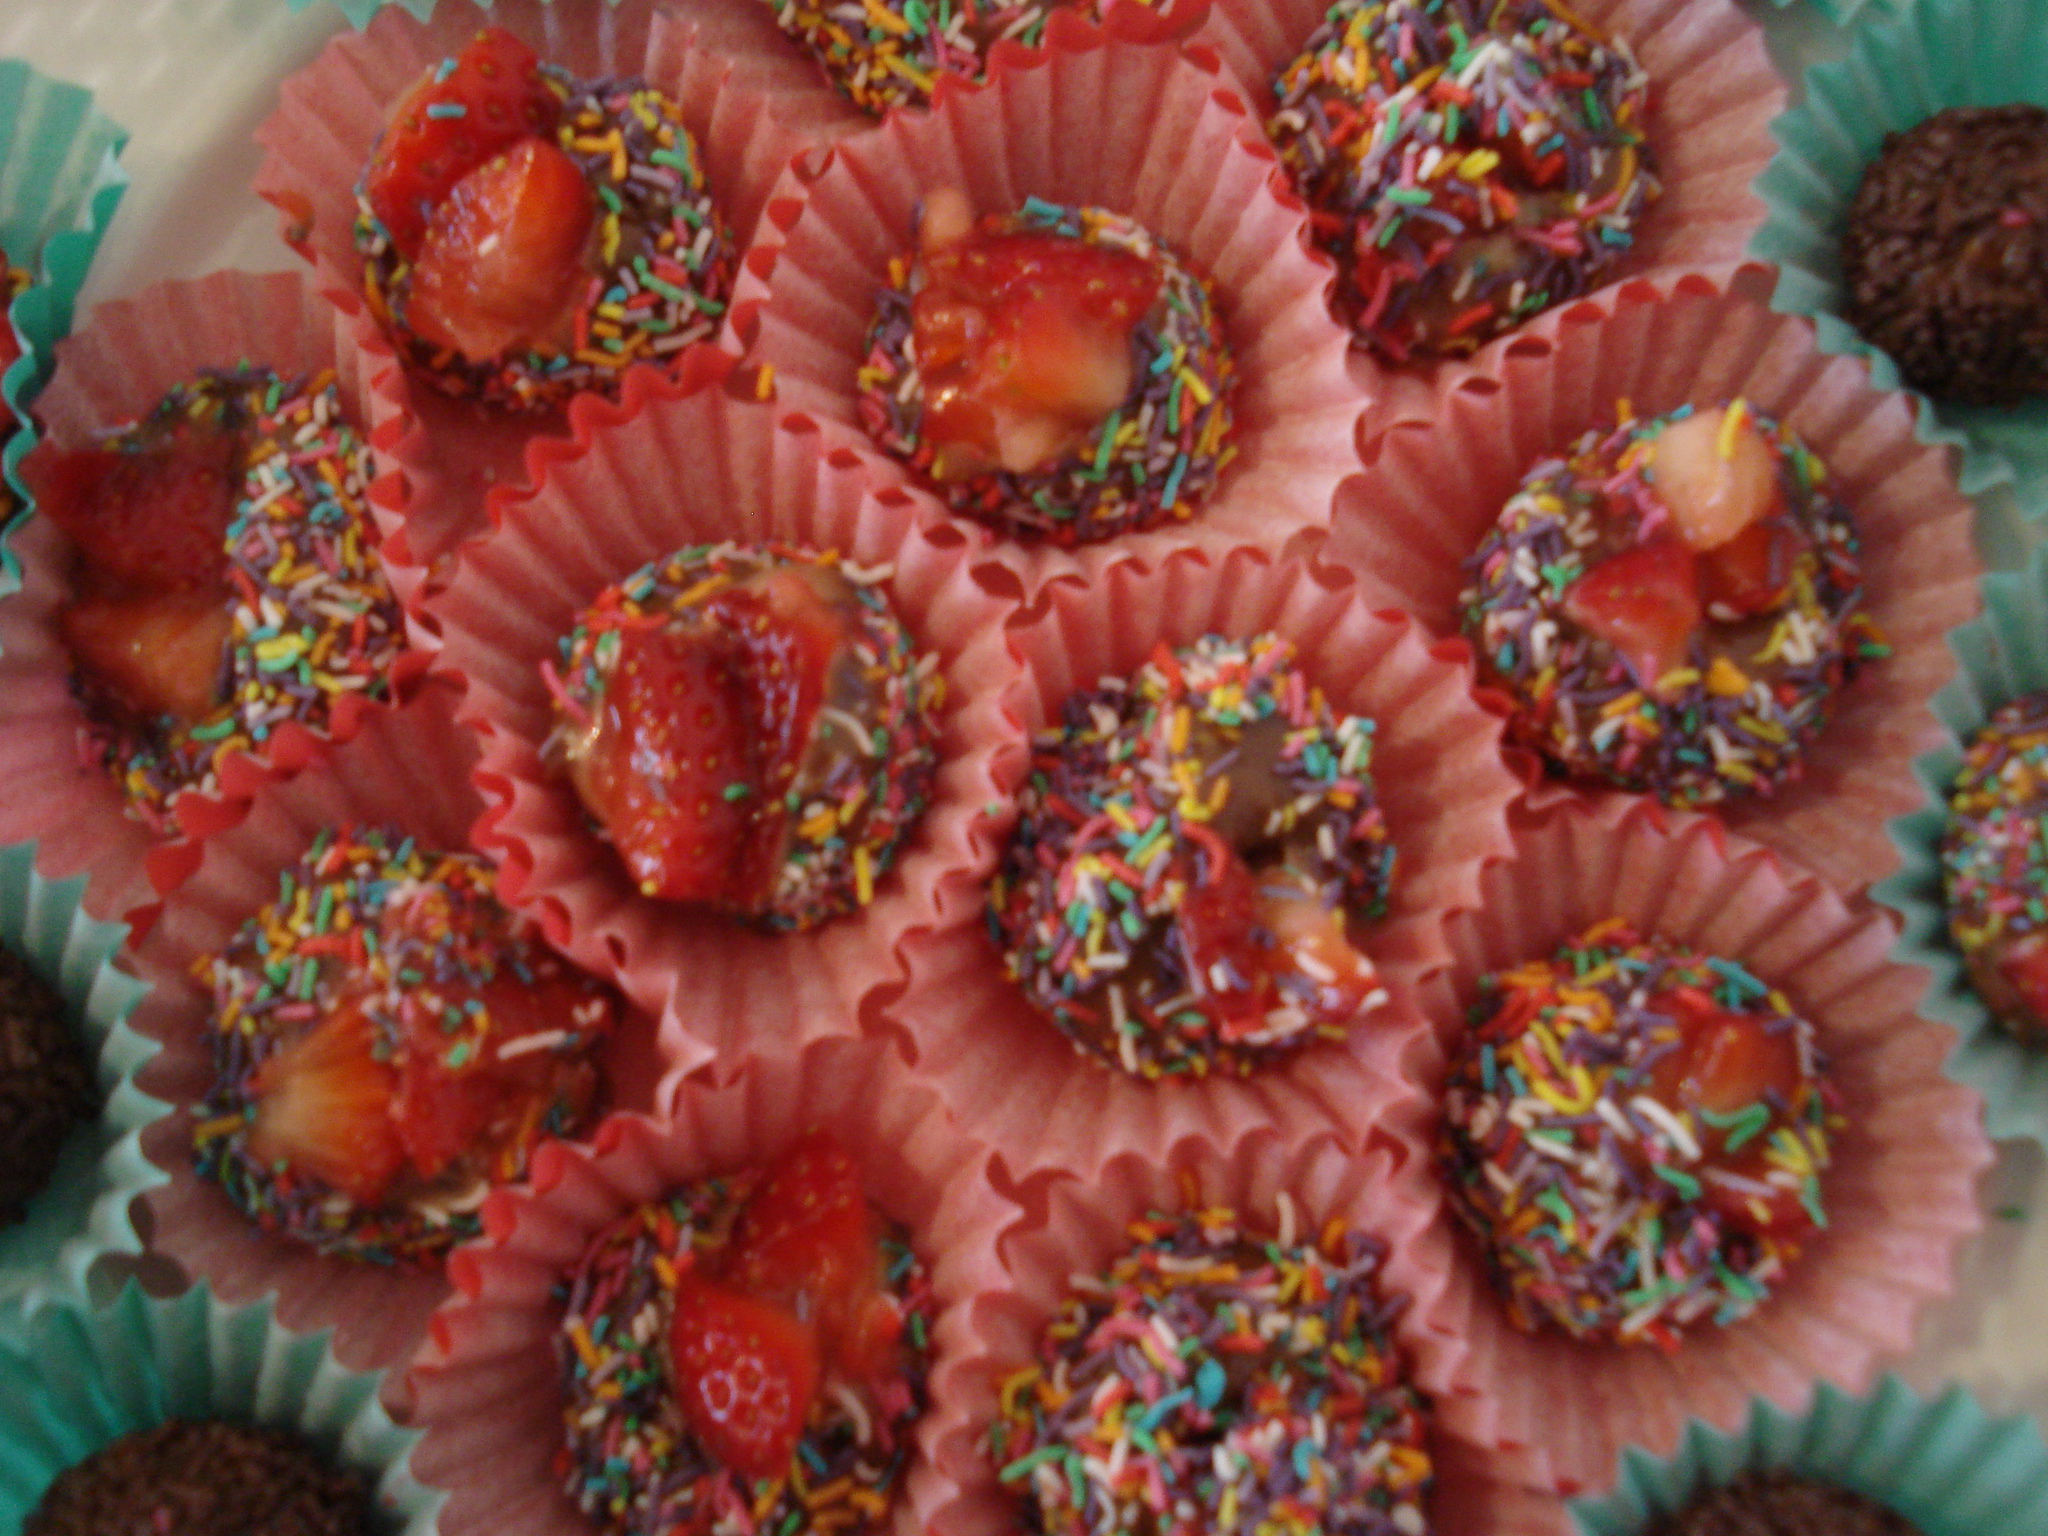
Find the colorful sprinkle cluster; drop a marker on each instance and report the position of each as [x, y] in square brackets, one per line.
[1994, 857]
[1609, 1205]
[631, 1462]
[333, 934]
[1154, 459]
[1736, 721]
[1467, 163]
[661, 256]
[314, 618]
[867, 774]
[891, 53]
[1136, 804]
[1217, 1382]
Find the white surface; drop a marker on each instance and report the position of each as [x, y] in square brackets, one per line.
[191, 79]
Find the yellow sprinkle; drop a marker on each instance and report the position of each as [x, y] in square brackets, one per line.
[1731, 424]
[863, 875]
[764, 383]
[1478, 164]
[1725, 680]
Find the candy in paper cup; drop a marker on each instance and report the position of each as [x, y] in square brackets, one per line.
[1438, 778]
[80, 1377]
[60, 180]
[1442, 463]
[1899, 1190]
[2003, 657]
[748, 103]
[410, 770]
[1101, 118]
[1942, 1463]
[488, 1387]
[1903, 67]
[113, 372]
[83, 1216]
[679, 465]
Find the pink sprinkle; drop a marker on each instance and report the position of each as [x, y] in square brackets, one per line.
[2015, 218]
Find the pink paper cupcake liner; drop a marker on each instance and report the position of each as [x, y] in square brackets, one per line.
[1440, 781]
[1899, 1190]
[1713, 94]
[748, 102]
[685, 463]
[1100, 117]
[487, 1386]
[1441, 463]
[111, 372]
[408, 769]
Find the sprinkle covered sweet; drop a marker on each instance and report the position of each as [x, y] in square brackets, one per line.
[227, 579]
[1191, 845]
[1467, 163]
[1637, 1134]
[528, 236]
[46, 1084]
[1220, 1382]
[1057, 372]
[1782, 1504]
[1674, 606]
[1994, 865]
[892, 53]
[746, 1354]
[389, 1043]
[751, 729]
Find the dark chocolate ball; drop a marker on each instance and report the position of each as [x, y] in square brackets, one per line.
[46, 1084]
[1778, 1504]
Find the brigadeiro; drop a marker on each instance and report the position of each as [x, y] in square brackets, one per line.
[46, 1084]
[1945, 254]
[1994, 865]
[1780, 1504]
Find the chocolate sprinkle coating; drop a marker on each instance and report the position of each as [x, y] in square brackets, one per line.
[1780, 1504]
[891, 53]
[206, 1478]
[46, 1084]
[1994, 856]
[1945, 254]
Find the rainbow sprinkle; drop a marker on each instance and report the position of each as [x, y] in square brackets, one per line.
[1738, 718]
[1994, 854]
[629, 1460]
[890, 53]
[1605, 1210]
[1213, 1382]
[1467, 163]
[1125, 804]
[1154, 459]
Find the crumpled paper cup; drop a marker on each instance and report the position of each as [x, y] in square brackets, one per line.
[1103, 117]
[675, 464]
[1441, 463]
[487, 1386]
[1902, 67]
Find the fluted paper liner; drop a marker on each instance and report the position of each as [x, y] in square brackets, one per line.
[1097, 118]
[1902, 68]
[408, 769]
[748, 102]
[79, 1378]
[113, 372]
[1942, 1463]
[83, 1216]
[1439, 779]
[1899, 1190]
[2003, 656]
[1441, 464]
[487, 1388]
[676, 465]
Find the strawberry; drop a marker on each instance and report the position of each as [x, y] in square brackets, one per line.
[1312, 941]
[1644, 602]
[154, 518]
[746, 1373]
[156, 654]
[460, 114]
[1729, 1062]
[1749, 574]
[322, 1109]
[1716, 480]
[501, 262]
[2024, 968]
[1219, 944]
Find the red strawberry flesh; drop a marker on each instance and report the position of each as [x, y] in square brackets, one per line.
[1644, 602]
[154, 518]
[746, 1373]
[322, 1108]
[153, 654]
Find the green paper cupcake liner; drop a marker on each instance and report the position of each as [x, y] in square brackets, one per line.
[83, 1215]
[1945, 1465]
[2004, 654]
[79, 1377]
[1841, 12]
[60, 181]
[1901, 69]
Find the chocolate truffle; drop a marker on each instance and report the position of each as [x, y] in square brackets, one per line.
[46, 1084]
[1779, 1504]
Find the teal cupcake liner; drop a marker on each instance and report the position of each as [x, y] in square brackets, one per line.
[1842, 12]
[83, 1216]
[1901, 68]
[1945, 1465]
[2004, 654]
[79, 1377]
[60, 180]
